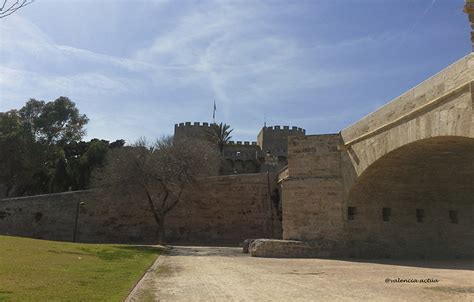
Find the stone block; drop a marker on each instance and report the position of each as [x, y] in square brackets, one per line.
[246, 245]
[274, 248]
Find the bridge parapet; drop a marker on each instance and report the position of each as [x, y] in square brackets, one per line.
[441, 106]
[453, 79]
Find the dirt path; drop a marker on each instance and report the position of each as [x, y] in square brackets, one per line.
[225, 274]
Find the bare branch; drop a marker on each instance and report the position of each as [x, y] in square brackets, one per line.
[4, 12]
[175, 202]
[3, 6]
[162, 171]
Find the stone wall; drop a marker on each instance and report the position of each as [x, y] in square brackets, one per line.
[220, 210]
[416, 152]
[312, 191]
[275, 139]
[415, 202]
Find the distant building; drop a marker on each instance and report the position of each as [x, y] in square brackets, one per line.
[268, 153]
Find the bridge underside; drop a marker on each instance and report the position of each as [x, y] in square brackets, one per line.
[416, 201]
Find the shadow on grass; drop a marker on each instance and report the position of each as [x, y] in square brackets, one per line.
[144, 249]
[120, 252]
[114, 252]
[5, 295]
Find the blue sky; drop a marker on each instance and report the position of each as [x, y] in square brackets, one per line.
[138, 67]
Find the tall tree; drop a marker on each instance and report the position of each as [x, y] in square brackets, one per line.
[23, 161]
[58, 122]
[82, 158]
[32, 146]
[219, 134]
[161, 171]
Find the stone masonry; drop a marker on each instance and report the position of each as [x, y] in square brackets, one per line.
[219, 210]
[398, 183]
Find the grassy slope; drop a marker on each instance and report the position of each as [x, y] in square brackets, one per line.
[39, 270]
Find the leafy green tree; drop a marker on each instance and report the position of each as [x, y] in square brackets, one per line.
[54, 123]
[11, 140]
[82, 159]
[219, 134]
[32, 146]
[23, 162]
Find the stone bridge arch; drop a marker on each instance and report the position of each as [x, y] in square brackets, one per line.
[336, 186]
[450, 115]
[415, 201]
[441, 106]
[413, 159]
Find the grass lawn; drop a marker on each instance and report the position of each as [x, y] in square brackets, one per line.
[40, 270]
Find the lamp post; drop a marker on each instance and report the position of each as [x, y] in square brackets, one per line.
[76, 218]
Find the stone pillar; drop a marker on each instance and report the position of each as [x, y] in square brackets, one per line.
[312, 194]
[469, 9]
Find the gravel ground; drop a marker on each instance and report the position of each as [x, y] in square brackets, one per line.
[225, 274]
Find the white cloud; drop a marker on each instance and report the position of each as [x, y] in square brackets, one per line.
[240, 53]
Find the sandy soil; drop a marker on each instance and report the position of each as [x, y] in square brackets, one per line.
[225, 274]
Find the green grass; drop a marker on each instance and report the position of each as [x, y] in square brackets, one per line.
[40, 270]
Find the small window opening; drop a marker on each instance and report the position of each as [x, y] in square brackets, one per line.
[386, 213]
[420, 215]
[351, 212]
[453, 216]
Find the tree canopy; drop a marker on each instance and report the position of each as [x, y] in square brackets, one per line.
[219, 134]
[58, 122]
[41, 149]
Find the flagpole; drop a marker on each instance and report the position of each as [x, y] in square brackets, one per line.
[214, 113]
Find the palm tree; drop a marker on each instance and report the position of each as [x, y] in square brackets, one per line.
[219, 134]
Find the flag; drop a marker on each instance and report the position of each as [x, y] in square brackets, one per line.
[214, 112]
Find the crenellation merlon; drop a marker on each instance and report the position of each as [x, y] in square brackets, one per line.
[285, 129]
[193, 124]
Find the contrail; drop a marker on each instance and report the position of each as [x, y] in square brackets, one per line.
[417, 22]
[423, 15]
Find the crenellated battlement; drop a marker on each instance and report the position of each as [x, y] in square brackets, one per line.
[284, 129]
[245, 143]
[270, 140]
[193, 125]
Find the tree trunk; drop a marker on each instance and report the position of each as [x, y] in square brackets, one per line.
[159, 218]
[162, 231]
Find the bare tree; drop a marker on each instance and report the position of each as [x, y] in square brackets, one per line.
[11, 6]
[162, 171]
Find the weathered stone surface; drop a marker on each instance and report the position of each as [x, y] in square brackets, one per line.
[224, 210]
[246, 245]
[469, 10]
[404, 123]
[294, 249]
[435, 176]
[415, 154]
[312, 199]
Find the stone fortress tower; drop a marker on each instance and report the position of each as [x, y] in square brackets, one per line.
[268, 154]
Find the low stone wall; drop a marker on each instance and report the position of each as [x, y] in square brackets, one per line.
[274, 248]
[220, 210]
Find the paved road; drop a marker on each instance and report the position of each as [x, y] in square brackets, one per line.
[225, 274]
